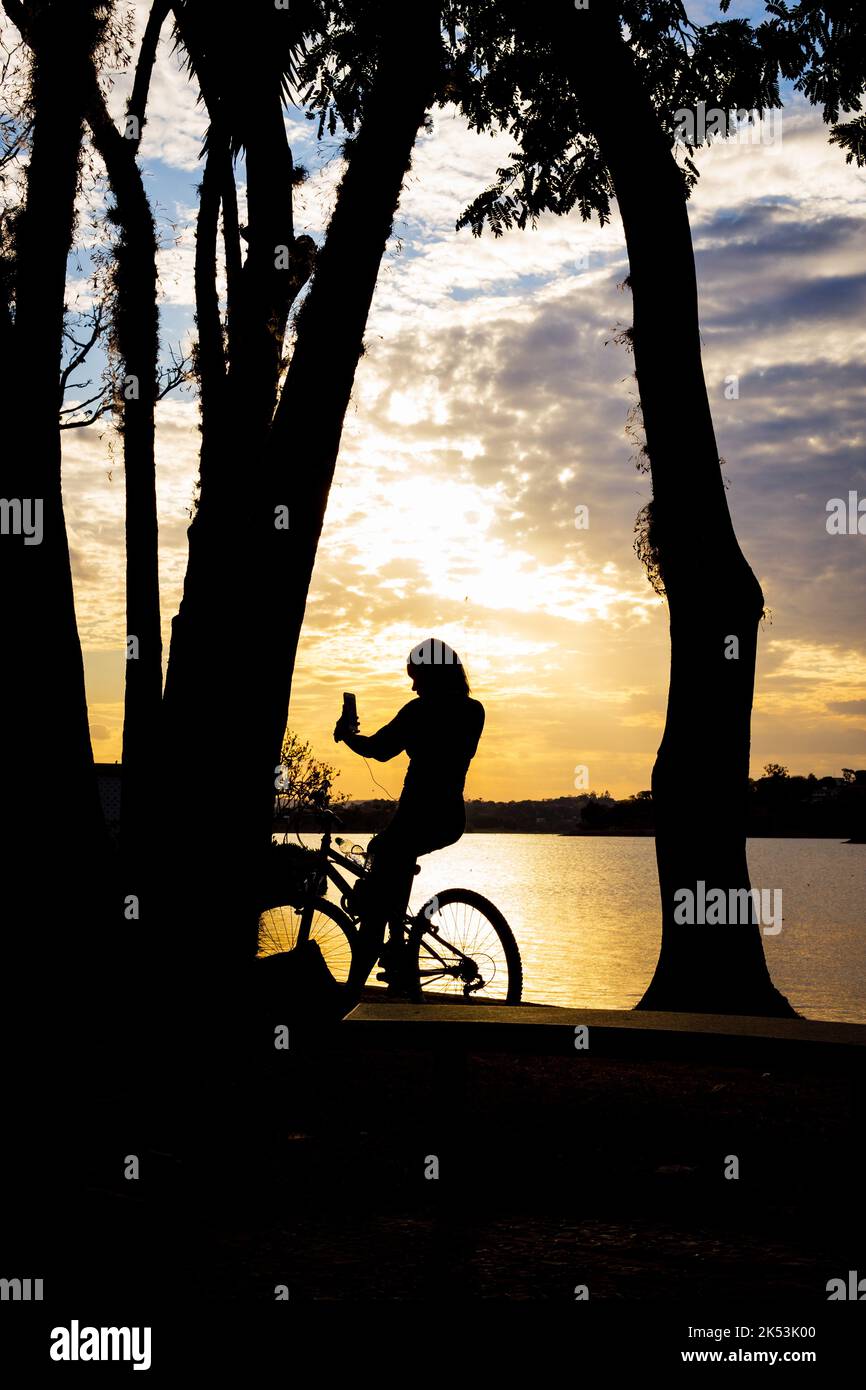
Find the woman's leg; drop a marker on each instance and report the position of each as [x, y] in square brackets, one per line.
[388, 887]
[386, 894]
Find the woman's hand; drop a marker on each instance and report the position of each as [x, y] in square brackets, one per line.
[344, 726]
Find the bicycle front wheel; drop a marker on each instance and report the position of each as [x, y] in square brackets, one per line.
[461, 945]
[331, 929]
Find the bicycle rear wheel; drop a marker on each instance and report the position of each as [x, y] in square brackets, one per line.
[460, 945]
[332, 931]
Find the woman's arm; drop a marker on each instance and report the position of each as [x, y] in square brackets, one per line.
[386, 743]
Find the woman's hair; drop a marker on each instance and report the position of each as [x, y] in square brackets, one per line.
[437, 669]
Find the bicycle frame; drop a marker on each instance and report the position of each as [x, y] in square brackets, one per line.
[329, 858]
[438, 956]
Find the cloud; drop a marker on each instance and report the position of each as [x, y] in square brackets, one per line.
[854, 708]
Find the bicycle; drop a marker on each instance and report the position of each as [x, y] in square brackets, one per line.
[457, 944]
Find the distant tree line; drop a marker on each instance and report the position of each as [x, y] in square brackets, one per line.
[778, 804]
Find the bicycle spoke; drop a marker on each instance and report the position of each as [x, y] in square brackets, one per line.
[464, 956]
[279, 930]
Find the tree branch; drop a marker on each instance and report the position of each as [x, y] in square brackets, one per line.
[175, 375]
[179, 372]
[79, 424]
[137, 104]
[71, 409]
[78, 357]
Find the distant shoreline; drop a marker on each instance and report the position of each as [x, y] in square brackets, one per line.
[778, 806]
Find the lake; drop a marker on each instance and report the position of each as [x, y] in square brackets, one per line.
[586, 915]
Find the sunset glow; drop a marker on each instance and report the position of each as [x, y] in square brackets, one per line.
[490, 402]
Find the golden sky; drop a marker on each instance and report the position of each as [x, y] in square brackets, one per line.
[489, 404]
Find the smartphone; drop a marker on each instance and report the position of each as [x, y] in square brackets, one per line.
[350, 708]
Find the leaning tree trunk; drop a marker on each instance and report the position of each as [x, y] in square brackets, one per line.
[235, 637]
[714, 600]
[308, 425]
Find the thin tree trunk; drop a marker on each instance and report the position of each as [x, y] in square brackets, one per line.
[265, 297]
[136, 328]
[712, 594]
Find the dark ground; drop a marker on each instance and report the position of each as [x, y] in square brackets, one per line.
[553, 1172]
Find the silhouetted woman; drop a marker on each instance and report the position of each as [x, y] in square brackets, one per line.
[440, 732]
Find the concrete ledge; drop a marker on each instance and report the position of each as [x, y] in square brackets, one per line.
[633, 1034]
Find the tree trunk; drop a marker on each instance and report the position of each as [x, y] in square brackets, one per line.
[308, 425]
[235, 638]
[56, 881]
[136, 330]
[714, 600]
[48, 770]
